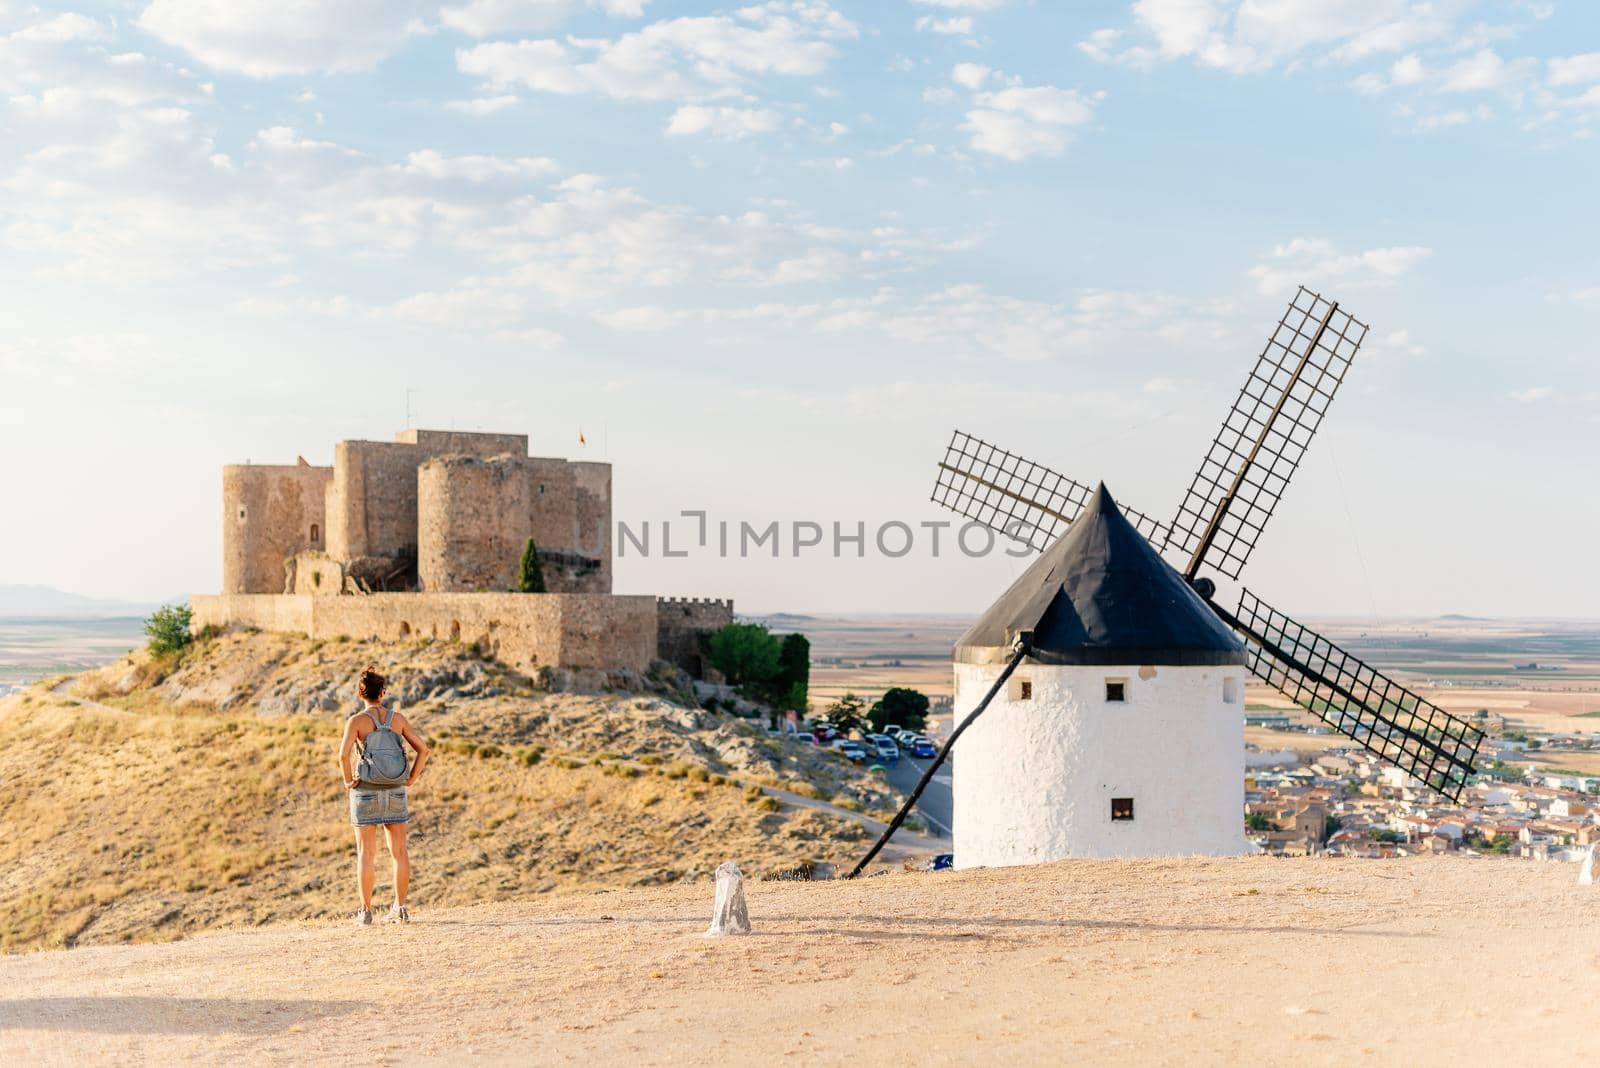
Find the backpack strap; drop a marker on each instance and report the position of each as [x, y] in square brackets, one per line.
[360, 747]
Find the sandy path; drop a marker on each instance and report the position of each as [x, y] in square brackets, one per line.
[1257, 960]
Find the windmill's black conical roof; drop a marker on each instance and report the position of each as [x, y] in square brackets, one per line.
[1102, 595]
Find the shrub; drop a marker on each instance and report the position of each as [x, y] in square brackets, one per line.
[168, 628]
[747, 655]
[899, 707]
[530, 574]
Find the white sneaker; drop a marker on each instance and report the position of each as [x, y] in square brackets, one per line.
[399, 914]
[363, 917]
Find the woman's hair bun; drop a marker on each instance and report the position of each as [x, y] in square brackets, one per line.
[371, 684]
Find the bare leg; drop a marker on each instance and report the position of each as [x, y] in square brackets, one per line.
[402, 860]
[366, 854]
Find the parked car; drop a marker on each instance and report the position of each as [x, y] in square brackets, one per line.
[893, 731]
[883, 747]
[923, 748]
[941, 862]
[853, 752]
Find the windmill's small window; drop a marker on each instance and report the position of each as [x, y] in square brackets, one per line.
[1117, 690]
[541, 489]
[1121, 809]
[1230, 691]
[241, 513]
[316, 533]
[1020, 690]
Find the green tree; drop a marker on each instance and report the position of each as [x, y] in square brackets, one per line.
[530, 573]
[1255, 821]
[748, 657]
[1330, 827]
[845, 714]
[899, 707]
[168, 628]
[791, 686]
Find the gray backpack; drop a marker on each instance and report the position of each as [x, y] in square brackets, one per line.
[383, 755]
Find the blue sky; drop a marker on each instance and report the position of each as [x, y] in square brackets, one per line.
[766, 257]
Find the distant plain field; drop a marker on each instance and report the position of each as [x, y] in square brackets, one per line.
[1462, 665]
[35, 648]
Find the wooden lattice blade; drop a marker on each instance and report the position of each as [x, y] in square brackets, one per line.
[1016, 497]
[1356, 699]
[1265, 435]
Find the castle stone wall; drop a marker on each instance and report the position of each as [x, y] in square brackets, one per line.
[474, 518]
[526, 631]
[470, 443]
[315, 574]
[264, 611]
[372, 507]
[592, 518]
[680, 623]
[472, 522]
[552, 517]
[269, 513]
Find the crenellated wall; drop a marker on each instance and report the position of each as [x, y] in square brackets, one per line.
[682, 622]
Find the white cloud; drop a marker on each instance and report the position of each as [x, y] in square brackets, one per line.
[969, 75]
[430, 164]
[1015, 121]
[966, 5]
[689, 59]
[266, 38]
[1256, 35]
[532, 337]
[1317, 261]
[722, 123]
[1484, 70]
[1534, 395]
[480, 106]
[1575, 70]
[484, 18]
[952, 27]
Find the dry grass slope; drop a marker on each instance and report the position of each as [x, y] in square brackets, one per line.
[201, 792]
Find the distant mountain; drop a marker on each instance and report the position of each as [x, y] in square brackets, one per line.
[48, 603]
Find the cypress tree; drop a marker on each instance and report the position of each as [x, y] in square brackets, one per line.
[530, 576]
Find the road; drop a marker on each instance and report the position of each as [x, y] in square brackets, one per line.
[936, 806]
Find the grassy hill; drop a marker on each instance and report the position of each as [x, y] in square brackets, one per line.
[151, 799]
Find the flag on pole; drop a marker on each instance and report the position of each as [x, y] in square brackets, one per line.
[581, 439]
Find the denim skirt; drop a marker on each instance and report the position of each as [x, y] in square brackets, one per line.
[369, 807]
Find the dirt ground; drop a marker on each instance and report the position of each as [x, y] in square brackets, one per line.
[1427, 961]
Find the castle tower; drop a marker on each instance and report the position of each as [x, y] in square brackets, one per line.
[1122, 733]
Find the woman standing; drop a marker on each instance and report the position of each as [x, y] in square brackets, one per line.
[378, 790]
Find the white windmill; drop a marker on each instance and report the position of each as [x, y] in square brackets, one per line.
[1068, 769]
[1121, 733]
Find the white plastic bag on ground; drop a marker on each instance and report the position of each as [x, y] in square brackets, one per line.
[729, 915]
[1586, 873]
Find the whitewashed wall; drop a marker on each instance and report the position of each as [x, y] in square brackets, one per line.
[1034, 779]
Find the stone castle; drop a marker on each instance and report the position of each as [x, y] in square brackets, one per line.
[421, 537]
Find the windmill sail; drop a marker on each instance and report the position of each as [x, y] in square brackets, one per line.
[1266, 433]
[1016, 497]
[1355, 699]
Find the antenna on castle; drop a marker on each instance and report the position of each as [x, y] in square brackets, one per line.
[409, 391]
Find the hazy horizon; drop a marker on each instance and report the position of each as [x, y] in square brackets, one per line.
[764, 259]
